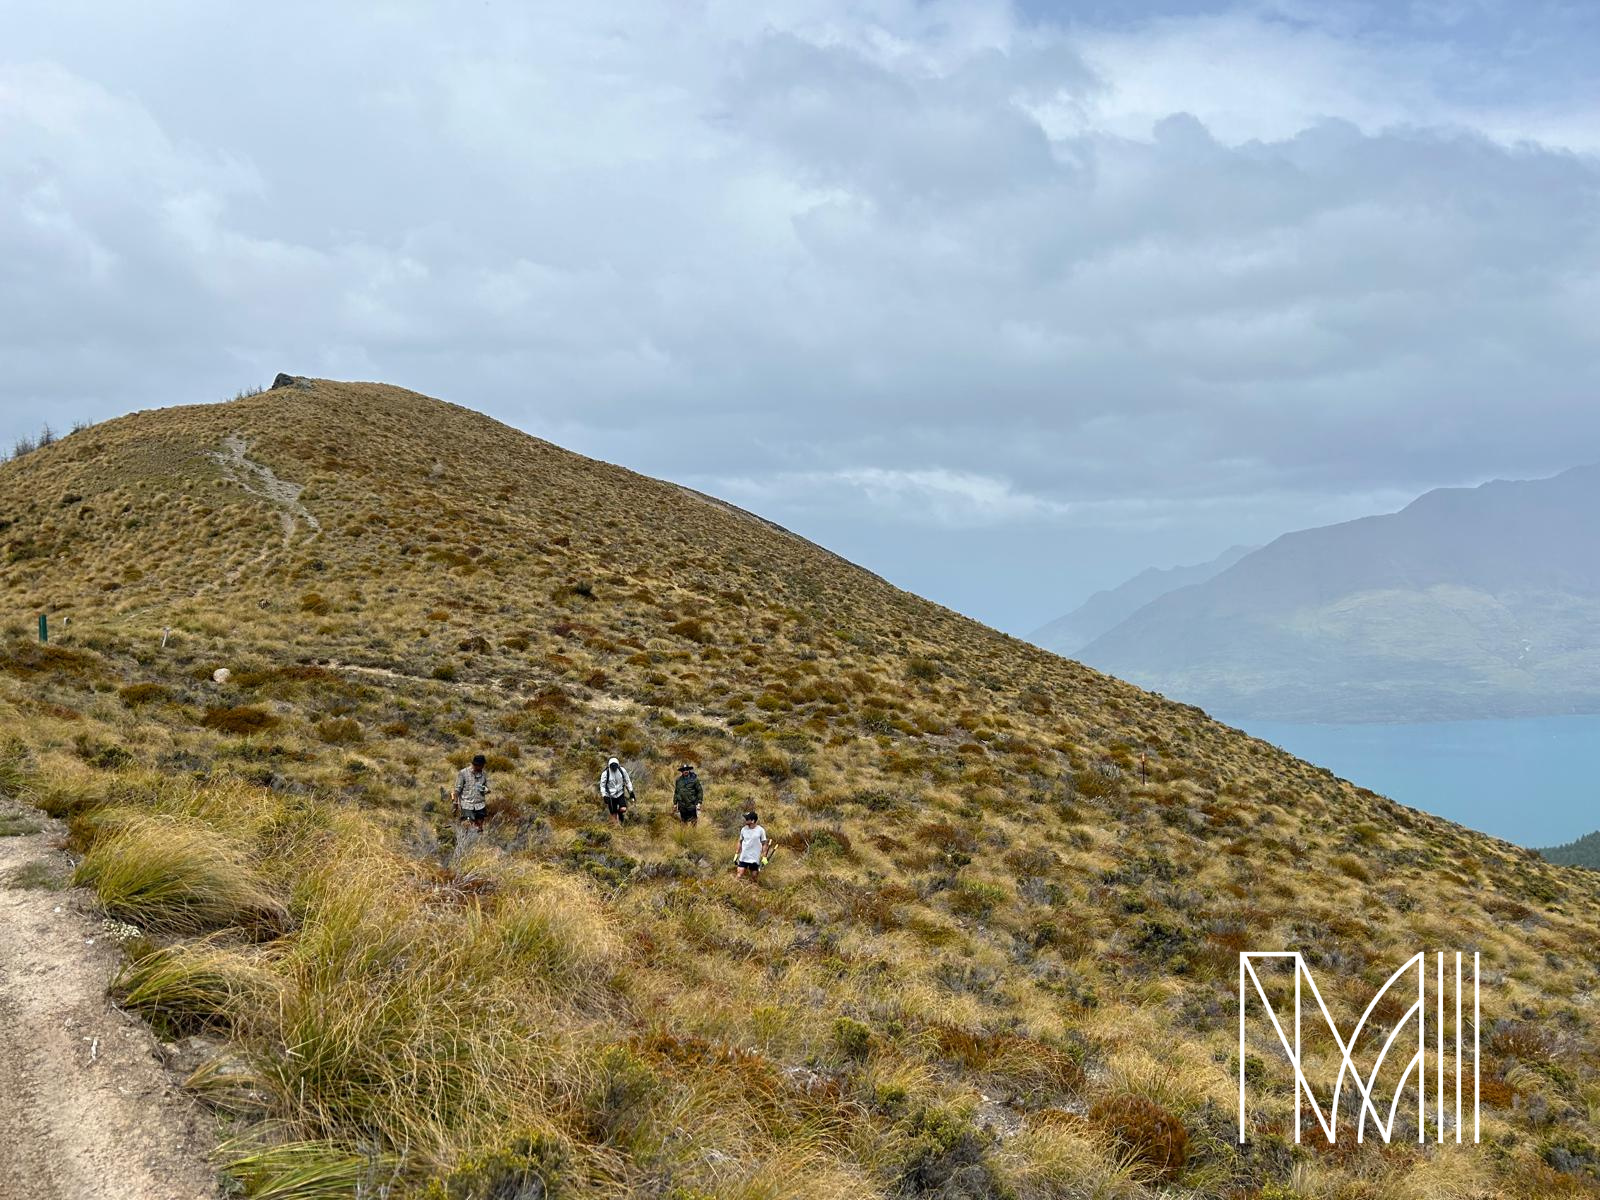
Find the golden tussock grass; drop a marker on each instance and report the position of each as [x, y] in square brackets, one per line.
[169, 877]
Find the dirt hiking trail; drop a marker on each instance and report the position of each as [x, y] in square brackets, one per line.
[90, 1112]
[259, 480]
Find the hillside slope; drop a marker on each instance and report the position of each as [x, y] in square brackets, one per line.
[1468, 603]
[995, 954]
[1107, 609]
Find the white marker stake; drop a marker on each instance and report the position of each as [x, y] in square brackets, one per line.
[1475, 1021]
[1241, 1052]
[1438, 1109]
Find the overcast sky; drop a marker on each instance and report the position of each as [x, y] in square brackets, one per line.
[1003, 301]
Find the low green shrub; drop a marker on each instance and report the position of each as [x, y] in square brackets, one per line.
[531, 1168]
[853, 1038]
[340, 731]
[16, 825]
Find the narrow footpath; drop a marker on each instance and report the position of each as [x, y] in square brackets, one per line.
[89, 1112]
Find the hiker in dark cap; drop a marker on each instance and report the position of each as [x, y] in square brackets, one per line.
[688, 795]
[471, 796]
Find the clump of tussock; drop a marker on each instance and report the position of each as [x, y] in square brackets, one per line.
[552, 928]
[306, 1170]
[1053, 1160]
[185, 989]
[395, 1023]
[16, 771]
[169, 876]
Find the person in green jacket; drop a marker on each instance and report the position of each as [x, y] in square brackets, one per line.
[688, 795]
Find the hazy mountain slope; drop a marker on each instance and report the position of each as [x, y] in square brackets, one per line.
[1470, 602]
[1584, 852]
[1106, 609]
[990, 957]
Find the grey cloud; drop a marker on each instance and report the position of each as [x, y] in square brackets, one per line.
[909, 258]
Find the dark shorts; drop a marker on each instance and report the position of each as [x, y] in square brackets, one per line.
[687, 814]
[474, 814]
[615, 804]
[754, 868]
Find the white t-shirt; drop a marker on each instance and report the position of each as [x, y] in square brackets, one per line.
[750, 840]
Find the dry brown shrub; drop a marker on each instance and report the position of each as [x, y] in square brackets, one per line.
[947, 836]
[340, 731]
[1521, 1040]
[136, 694]
[1151, 1134]
[242, 720]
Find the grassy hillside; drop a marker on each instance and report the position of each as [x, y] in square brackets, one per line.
[994, 957]
[1584, 852]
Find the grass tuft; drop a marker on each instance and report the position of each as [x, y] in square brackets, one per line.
[17, 825]
[308, 1170]
[187, 989]
[39, 874]
[171, 877]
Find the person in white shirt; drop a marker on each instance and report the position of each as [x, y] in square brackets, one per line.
[616, 789]
[753, 847]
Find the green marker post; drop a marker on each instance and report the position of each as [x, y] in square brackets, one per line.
[44, 628]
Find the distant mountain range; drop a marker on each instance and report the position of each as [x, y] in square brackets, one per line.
[1476, 602]
[1105, 610]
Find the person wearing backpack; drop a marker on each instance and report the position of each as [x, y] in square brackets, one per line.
[616, 789]
[471, 794]
[688, 795]
[754, 845]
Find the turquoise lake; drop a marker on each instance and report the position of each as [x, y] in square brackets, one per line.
[1534, 781]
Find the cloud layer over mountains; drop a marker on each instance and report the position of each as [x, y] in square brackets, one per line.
[913, 278]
